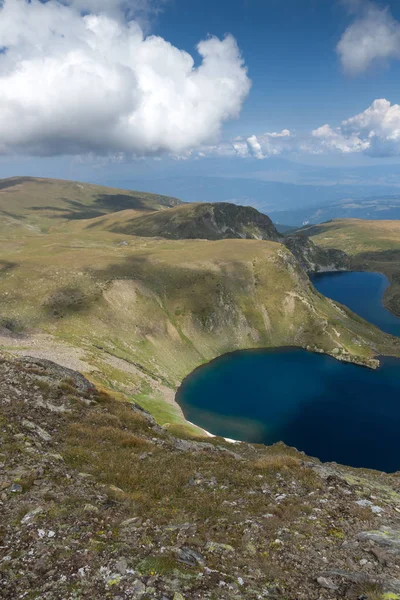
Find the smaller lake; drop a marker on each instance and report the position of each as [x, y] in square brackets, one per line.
[329, 409]
[335, 411]
[362, 292]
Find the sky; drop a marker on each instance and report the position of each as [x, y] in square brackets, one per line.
[115, 89]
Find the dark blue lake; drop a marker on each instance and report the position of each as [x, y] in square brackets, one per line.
[335, 411]
[362, 293]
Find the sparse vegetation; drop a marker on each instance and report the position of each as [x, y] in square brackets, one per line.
[110, 503]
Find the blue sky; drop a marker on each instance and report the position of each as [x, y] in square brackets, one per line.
[134, 108]
[289, 48]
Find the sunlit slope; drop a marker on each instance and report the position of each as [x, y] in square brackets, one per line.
[373, 246]
[35, 205]
[143, 312]
[168, 306]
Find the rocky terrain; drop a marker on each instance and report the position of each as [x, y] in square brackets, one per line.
[97, 501]
[314, 258]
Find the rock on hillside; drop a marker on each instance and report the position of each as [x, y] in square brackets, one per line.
[97, 501]
[313, 258]
[215, 221]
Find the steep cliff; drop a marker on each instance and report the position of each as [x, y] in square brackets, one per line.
[313, 258]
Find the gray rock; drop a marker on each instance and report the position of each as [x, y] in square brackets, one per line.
[16, 488]
[137, 589]
[121, 566]
[59, 372]
[219, 548]
[190, 557]
[46, 437]
[30, 516]
[385, 537]
[388, 584]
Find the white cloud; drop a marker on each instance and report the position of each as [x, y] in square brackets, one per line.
[378, 126]
[375, 131]
[76, 83]
[254, 146]
[373, 36]
[261, 146]
[334, 139]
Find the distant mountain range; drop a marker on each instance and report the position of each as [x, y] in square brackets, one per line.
[289, 204]
[376, 208]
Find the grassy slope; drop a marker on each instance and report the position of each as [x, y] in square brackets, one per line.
[147, 313]
[373, 246]
[39, 204]
[168, 306]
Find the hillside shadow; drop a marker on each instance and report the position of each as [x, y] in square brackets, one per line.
[6, 213]
[118, 202]
[77, 211]
[8, 183]
[194, 290]
[103, 204]
[6, 265]
[69, 300]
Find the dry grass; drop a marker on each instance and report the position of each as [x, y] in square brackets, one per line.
[117, 445]
[277, 462]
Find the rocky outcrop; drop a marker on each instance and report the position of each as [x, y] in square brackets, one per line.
[213, 221]
[313, 258]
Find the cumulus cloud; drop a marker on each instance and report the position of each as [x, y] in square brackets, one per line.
[375, 131]
[256, 146]
[79, 76]
[373, 36]
[335, 139]
[272, 143]
[378, 127]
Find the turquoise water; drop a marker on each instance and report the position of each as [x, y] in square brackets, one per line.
[335, 411]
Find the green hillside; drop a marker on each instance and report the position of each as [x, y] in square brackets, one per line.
[139, 313]
[36, 204]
